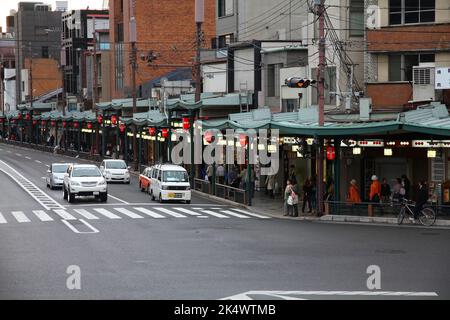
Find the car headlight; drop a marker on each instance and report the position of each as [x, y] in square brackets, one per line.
[101, 183]
[74, 183]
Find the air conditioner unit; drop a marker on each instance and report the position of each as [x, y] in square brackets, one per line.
[423, 82]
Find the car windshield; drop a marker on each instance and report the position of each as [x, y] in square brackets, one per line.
[115, 165]
[175, 176]
[59, 168]
[86, 172]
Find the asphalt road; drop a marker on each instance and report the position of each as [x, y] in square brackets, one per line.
[198, 254]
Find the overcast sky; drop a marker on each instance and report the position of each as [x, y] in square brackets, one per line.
[7, 5]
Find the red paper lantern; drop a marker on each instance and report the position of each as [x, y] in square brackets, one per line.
[100, 119]
[53, 123]
[122, 127]
[152, 131]
[113, 120]
[64, 124]
[43, 123]
[89, 125]
[165, 132]
[331, 153]
[27, 116]
[34, 122]
[243, 140]
[75, 125]
[186, 124]
[19, 116]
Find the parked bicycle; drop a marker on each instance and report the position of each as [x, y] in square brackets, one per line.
[427, 216]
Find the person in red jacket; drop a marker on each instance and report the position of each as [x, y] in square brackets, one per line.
[375, 190]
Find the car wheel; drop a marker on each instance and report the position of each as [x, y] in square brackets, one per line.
[188, 201]
[71, 197]
[104, 197]
[51, 186]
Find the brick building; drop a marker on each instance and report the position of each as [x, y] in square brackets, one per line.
[165, 27]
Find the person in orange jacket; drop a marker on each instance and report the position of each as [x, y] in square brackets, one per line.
[375, 190]
[353, 193]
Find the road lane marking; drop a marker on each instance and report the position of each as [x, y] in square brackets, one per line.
[20, 216]
[28, 158]
[171, 213]
[42, 215]
[71, 227]
[18, 154]
[107, 213]
[150, 213]
[217, 215]
[9, 151]
[118, 199]
[37, 161]
[129, 213]
[86, 214]
[192, 213]
[235, 214]
[64, 214]
[2, 219]
[250, 213]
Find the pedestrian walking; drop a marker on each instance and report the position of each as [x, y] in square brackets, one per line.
[289, 199]
[209, 173]
[422, 199]
[307, 193]
[270, 185]
[220, 173]
[398, 191]
[407, 185]
[353, 193]
[385, 191]
[375, 190]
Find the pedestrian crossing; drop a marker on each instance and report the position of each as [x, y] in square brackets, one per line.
[123, 213]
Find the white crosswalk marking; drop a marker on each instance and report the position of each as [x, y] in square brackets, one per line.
[234, 214]
[64, 214]
[42, 215]
[251, 214]
[129, 213]
[150, 213]
[107, 213]
[2, 219]
[20, 216]
[170, 212]
[184, 210]
[86, 214]
[215, 214]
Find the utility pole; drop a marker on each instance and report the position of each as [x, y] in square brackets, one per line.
[30, 86]
[2, 89]
[95, 86]
[199, 19]
[133, 76]
[320, 9]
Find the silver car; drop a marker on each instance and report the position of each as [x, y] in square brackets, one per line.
[55, 175]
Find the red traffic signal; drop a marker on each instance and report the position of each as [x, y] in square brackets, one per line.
[294, 82]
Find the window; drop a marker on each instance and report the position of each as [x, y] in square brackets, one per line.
[289, 105]
[225, 8]
[119, 34]
[401, 65]
[45, 52]
[356, 16]
[225, 40]
[411, 11]
[330, 85]
[273, 80]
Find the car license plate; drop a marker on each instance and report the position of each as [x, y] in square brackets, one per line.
[171, 195]
[96, 193]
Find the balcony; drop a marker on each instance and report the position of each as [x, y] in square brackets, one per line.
[409, 38]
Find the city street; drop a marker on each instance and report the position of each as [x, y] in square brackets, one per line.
[133, 248]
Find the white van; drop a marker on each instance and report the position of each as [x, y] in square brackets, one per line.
[170, 182]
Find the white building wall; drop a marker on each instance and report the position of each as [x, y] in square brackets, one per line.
[215, 78]
[24, 86]
[244, 69]
[10, 90]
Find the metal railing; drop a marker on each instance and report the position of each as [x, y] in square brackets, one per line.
[223, 191]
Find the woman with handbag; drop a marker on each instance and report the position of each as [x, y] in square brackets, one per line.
[288, 200]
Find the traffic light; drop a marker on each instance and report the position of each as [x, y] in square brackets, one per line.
[294, 82]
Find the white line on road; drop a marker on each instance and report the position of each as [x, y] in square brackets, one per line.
[42, 215]
[20, 216]
[37, 161]
[150, 213]
[129, 213]
[64, 214]
[86, 214]
[28, 158]
[251, 214]
[192, 213]
[231, 213]
[2, 219]
[218, 215]
[107, 213]
[18, 154]
[118, 199]
[9, 151]
[171, 213]
[77, 231]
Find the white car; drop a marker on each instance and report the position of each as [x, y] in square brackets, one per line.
[115, 170]
[84, 180]
[55, 175]
[170, 182]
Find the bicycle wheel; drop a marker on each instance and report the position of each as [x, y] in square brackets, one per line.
[427, 217]
[401, 215]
